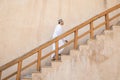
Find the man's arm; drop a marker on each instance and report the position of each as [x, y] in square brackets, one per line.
[65, 40]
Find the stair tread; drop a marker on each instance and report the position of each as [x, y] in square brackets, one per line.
[65, 57]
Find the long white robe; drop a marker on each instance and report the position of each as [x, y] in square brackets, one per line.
[57, 32]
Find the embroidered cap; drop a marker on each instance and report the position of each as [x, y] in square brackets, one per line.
[60, 20]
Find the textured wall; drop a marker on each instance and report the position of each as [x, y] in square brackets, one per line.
[24, 24]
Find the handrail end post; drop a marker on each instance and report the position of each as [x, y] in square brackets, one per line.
[39, 61]
[19, 70]
[0, 75]
[107, 21]
[57, 50]
[75, 39]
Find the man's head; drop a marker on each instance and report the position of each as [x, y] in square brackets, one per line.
[60, 21]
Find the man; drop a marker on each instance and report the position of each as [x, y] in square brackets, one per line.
[57, 32]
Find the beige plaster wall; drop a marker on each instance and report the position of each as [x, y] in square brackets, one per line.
[25, 24]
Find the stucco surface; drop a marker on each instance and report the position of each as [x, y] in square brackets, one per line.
[25, 24]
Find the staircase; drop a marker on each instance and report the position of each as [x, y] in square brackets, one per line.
[98, 59]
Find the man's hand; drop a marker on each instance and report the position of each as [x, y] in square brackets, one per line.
[66, 41]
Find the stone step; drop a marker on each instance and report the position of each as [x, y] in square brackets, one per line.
[45, 71]
[81, 47]
[116, 31]
[89, 41]
[36, 76]
[65, 57]
[85, 51]
[109, 69]
[116, 28]
[26, 79]
[74, 55]
[108, 32]
[56, 64]
[100, 37]
[74, 52]
[92, 43]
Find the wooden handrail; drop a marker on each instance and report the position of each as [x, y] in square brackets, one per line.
[13, 62]
[55, 41]
[114, 17]
[84, 34]
[12, 74]
[98, 26]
